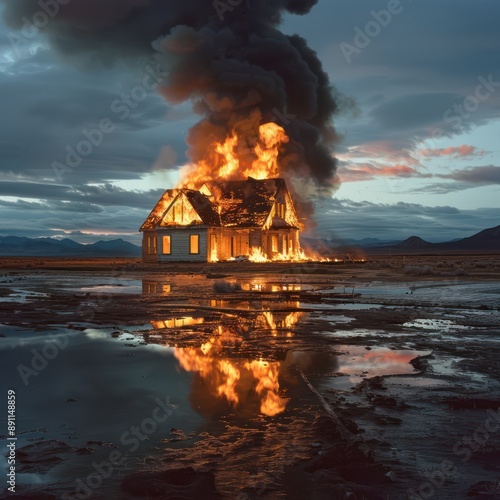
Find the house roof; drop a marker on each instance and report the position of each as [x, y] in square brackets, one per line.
[201, 204]
[245, 203]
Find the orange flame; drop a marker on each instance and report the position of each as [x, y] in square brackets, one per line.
[230, 159]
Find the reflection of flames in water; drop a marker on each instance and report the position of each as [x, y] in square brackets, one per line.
[275, 322]
[177, 322]
[267, 375]
[226, 377]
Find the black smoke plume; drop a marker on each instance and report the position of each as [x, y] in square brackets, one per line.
[227, 56]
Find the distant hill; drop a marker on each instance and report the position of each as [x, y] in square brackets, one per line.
[486, 241]
[51, 247]
[413, 242]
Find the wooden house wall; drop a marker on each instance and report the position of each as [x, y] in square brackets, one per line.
[287, 241]
[231, 242]
[179, 244]
[146, 255]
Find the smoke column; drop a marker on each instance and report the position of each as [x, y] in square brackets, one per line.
[227, 56]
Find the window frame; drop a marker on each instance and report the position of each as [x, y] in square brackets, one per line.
[193, 237]
[274, 243]
[166, 237]
[152, 245]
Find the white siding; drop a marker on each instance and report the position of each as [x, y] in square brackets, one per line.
[179, 245]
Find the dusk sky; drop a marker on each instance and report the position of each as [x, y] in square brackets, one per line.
[419, 130]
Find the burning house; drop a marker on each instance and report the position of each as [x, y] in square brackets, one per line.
[221, 220]
[265, 106]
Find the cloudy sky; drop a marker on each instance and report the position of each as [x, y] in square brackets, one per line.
[419, 150]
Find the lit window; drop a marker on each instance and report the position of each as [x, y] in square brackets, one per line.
[274, 243]
[194, 243]
[280, 210]
[167, 248]
[152, 245]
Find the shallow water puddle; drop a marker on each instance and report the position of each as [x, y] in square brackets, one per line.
[416, 382]
[334, 320]
[119, 288]
[240, 384]
[218, 323]
[359, 332]
[22, 296]
[358, 362]
[357, 307]
[445, 325]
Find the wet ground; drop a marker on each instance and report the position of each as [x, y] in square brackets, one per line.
[366, 380]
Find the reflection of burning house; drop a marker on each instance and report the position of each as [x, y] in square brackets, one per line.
[227, 377]
[222, 220]
[155, 287]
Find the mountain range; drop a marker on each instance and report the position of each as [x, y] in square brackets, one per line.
[486, 241]
[51, 247]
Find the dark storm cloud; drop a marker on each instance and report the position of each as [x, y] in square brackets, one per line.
[466, 178]
[232, 61]
[62, 206]
[427, 59]
[104, 195]
[489, 174]
[412, 112]
[85, 227]
[49, 107]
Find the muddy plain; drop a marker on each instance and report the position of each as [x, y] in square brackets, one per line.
[378, 379]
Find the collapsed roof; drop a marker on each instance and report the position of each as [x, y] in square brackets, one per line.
[236, 204]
